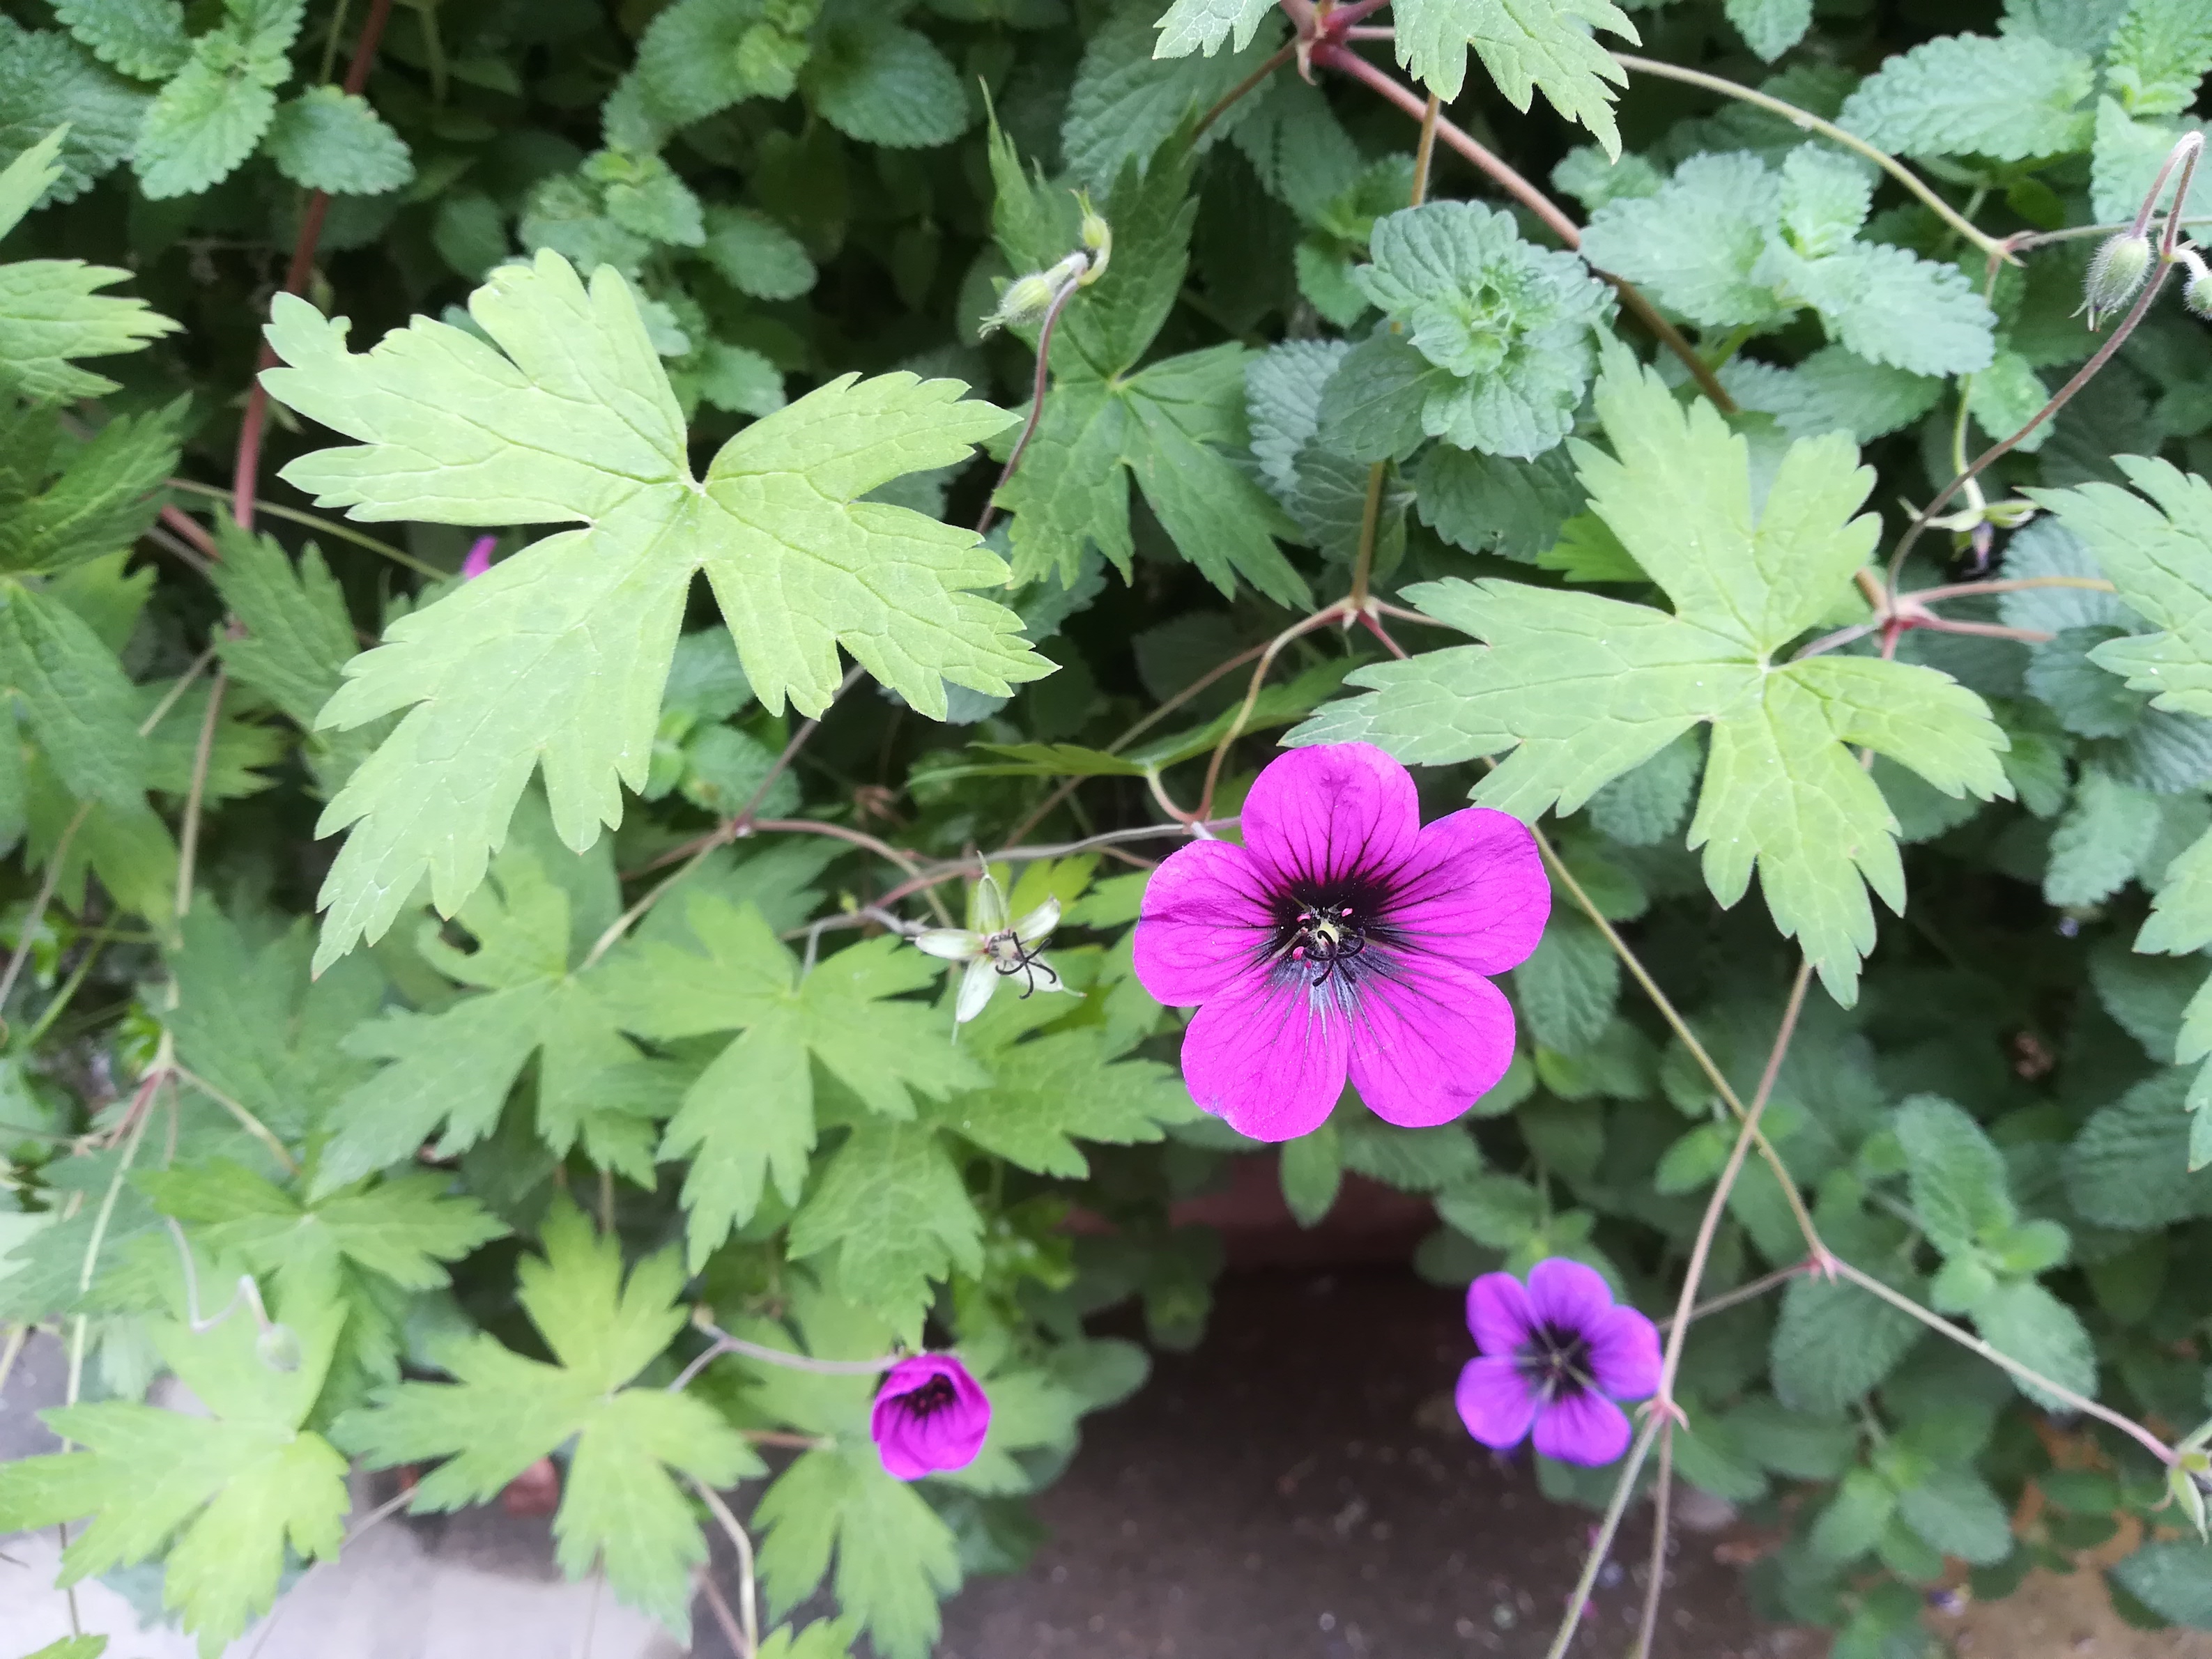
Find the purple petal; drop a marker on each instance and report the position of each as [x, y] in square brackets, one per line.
[1498, 1314]
[1431, 1038]
[1495, 1402]
[1207, 924]
[1268, 1059]
[1317, 815]
[1624, 1354]
[1568, 1295]
[1473, 889]
[479, 558]
[1583, 1428]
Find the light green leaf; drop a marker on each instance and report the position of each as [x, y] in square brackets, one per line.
[2128, 1167]
[2173, 1578]
[1771, 28]
[1833, 1342]
[232, 1489]
[1312, 1170]
[105, 494]
[1582, 688]
[1854, 1520]
[327, 139]
[1124, 104]
[1046, 1093]
[1891, 307]
[2082, 25]
[1834, 391]
[52, 311]
[755, 254]
[2157, 55]
[880, 84]
[2159, 553]
[749, 1117]
[1482, 502]
[2024, 1321]
[298, 634]
[2181, 920]
[1644, 806]
[1510, 324]
[141, 38]
[890, 1200]
[1525, 45]
[74, 695]
[895, 1557]
[1566, 991]
[621, 1508]
[25, 181]
[2008, 98]
[1412, 1160]
[1957, 1176]
[1954, 1511]
[451, 1072]
[1695, 242]
[698, 56]
[556, 658]
[199, 128]
[2125, 160]
[2005, 396]
[47, 80]
[1202, 26]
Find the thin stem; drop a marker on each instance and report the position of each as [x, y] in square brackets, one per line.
[1602, 1546]
[2185, 152]
[246, 1120]
[1339, 612]
[2022, 243]
[1717, 1206]
[1425, 153]
[1687, 1037]
[1936, 1322]
[1992, 247]
[1275, 60]
[744, 1547]
[1660, 1495]
[327, 525]
[781, 764]
[188, 528]
[188, 838]
[245, 469]
[36, 916]
[1350, 62]
[1741, 1294]
[966, 867]
[725, 1619]
[61, 998]
[247, 1291]
[629, 918]
[724, 1343]
[1036, 399]
[2007, 585]
[175, 693]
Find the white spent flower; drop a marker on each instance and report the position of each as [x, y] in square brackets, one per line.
[993, 949]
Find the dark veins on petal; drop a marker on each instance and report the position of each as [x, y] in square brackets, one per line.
[1557, 1363]
[931, 1397]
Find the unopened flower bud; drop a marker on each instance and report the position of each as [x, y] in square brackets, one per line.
[278, 1348]
[1027, 298]
[2115, 273]
[1097, 237]
[2196, 292]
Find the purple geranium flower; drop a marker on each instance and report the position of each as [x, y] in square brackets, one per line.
[930, 1416]
[1555, 1357]
[1343, 937]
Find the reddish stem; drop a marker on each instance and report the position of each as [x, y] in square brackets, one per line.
[246, 473]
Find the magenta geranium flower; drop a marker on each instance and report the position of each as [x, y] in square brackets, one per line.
[1343, 939]
[929, 1416]
[479, 558]
[1555, 1357]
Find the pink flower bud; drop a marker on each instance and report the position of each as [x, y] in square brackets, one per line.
[479, 559]
[930, 1416]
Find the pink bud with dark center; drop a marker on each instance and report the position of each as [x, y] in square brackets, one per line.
[931, 1416]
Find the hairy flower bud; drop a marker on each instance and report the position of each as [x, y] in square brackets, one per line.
[2196, 292]
[2115, 273]
[1097, 237]
[1027, 298]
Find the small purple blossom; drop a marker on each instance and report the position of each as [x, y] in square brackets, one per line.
[930, 1416]
[1555, 1357]
[479, 558]
[1343, 939]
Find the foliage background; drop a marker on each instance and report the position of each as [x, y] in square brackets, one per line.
[480, 1165]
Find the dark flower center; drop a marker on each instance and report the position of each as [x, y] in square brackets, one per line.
[1320, 931]
[1556, 1362]
[931, 1397]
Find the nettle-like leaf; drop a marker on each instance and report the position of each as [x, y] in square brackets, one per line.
[1581, 688]
[1127, 101]
[1165, 426]
[47, 80]
[327, 139]
[451, 1072]
[51, 310]
[1505, 329]
[2008, 98]
[749, 1117]
[2157, 56]
[1525, 45]
[556, 658]
[211, 113]
[2158, 552]
[1727, 242]
[621, 1509]
[232, 1489]
[1189, 26]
